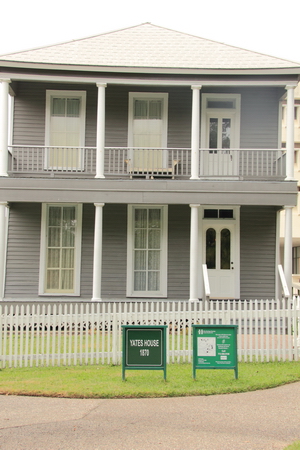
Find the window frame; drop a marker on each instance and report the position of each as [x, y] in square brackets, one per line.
[81, 95]
[233, 113]
[164, 96]
[130, 292]
[43, 250]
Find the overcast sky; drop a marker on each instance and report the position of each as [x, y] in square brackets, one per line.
[264, 26]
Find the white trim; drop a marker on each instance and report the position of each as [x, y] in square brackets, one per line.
[77, 257]
[82, 115]
[164, 253]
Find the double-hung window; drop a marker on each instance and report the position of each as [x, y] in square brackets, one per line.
[60, 249]
[147, 251]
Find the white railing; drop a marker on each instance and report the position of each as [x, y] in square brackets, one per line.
[49, 160]
[90, 333]
[206, 282]
[286, 292]
[242, 163]
[253, 164]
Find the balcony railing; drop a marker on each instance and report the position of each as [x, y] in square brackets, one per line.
[251, 164]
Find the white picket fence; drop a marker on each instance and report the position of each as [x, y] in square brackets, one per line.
[43, 334]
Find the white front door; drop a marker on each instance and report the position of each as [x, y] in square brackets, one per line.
[220, 243]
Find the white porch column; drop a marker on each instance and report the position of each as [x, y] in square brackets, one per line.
[195, 133]
[100, 131]
[290, 133]
[288, 245]
[3, 234]
[97, 268]
[194, 253]
[4, 84]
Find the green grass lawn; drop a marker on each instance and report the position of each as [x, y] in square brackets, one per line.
[105, 381]
[294, 446]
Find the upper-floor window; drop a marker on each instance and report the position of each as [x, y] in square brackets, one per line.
[147, 129]
[65, 129]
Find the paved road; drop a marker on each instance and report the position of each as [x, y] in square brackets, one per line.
[261, 420]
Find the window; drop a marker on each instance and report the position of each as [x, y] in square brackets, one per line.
[147, 251]
[60, 249]
[65, 129]
[147, 130]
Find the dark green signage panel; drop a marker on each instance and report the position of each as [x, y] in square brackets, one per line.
[144, 347]
[215, 347]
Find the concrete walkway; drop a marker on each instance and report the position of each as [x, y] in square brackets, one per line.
[261, 420]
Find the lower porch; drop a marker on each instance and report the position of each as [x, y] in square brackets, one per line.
[121, 251]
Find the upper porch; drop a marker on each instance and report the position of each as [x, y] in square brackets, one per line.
[129, 129]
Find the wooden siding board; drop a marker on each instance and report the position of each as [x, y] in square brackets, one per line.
[258, 252]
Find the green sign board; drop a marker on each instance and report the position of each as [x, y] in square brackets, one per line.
[215, 347]
[144, 348]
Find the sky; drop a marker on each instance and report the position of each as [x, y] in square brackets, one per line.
[263, 26]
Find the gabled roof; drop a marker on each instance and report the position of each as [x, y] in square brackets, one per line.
[147, 46]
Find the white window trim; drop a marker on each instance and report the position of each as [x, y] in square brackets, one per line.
[43, 253]
[164, 253]
[234, 113]
[65, 94]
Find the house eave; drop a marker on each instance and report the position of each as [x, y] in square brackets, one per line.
[152, 70]
[151, 81]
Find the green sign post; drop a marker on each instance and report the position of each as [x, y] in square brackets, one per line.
[215, 347]
[144, 348]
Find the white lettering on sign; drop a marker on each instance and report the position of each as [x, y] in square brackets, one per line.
[151, 342]
[136, 342]
[144, 352]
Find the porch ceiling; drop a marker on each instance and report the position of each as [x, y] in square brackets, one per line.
[141, 191]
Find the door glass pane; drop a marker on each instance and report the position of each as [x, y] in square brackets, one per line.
[155, 107]
[58, 107]
[226, 128]
[73, 107]
[225, 249]
[211, 248]
[140, 109]
[213, 133]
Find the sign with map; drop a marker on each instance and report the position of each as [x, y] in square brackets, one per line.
[215, 347]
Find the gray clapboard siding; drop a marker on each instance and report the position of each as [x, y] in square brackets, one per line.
[178, 251]
[23, 249]
[259, 117]
[258, 247]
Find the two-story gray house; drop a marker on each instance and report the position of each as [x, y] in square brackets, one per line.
[136, 163]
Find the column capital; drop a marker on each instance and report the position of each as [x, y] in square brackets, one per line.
[196, 86]
[290, 86]
[101, 85]
[99, 204]
[5, 80]
[194, 205]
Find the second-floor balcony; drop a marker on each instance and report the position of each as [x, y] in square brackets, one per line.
[151, 163]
